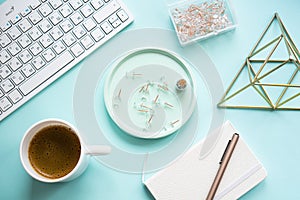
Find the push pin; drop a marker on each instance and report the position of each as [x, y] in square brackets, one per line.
[181, 84]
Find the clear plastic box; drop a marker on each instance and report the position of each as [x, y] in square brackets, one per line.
[196, 20]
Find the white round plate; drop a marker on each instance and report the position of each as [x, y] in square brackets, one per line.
[141, 95]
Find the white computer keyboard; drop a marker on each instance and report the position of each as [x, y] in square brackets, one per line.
[42, 39]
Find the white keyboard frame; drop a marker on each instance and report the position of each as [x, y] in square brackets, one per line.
[68, 66]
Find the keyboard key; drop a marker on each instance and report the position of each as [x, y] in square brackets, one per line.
[34, 4]
[55, 18]
[7, 85]
[97, 4]
[5, 26]
[86, 10]
[35, 33]
[55, 3]
[24, 41]
[14, 48]
[45, 10]
[5, 104]
[16, 18]
[4, 72]
[75, 4]
[38, 62]
[122, 15]
[77, 50]
[69, 39]
[87, 42]
[4, 40]
[79, 32]
[46, 41]
[17, 78]
[113, 18]
[116, 23]
[76, 18]
[28, 70]
[14, 63]
[25, 25]
[97, 34]
[48, 55]
[35, 17]
[66, 25]
[15, 96]
[65, 10]
[89, 24]
[106, 11]
[4, 56]
[25, 56]
[25, 11]
[59, 47]
[14, 32]
[56, 33]
[106, 27]
[35, 49]
[47, 72]
[45, 25]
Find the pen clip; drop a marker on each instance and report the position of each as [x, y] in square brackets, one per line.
[225, 152]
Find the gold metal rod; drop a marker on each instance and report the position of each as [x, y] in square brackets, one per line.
[262, 88]
[245, 107]
[283, 32]
[233, 81]
[287, 33]
[293, 51]
[248, 66]
[267, 99]
[237, 92]
[262, 60]
[285, 89]
[271, 71]
[268, 57]
[257, 107]
[297, 65]
[265, 46]
[289, 99]
[261, 37]
[288, 108]
[278, 85]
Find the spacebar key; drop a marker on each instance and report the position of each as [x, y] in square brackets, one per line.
[46, 73]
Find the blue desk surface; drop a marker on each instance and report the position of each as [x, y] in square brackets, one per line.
[273, 136]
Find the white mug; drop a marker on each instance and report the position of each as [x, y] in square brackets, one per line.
[86, 152]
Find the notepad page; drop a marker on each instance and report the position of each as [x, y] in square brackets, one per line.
[190, 178]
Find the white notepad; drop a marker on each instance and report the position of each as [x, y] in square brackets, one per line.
[190, 178]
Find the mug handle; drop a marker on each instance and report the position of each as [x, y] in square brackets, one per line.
[97, 150]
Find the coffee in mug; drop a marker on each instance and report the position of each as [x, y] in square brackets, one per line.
[52, 151]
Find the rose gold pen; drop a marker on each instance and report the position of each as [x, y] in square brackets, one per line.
[223, 164]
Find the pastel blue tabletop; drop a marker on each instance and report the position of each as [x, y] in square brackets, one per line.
[272, 135]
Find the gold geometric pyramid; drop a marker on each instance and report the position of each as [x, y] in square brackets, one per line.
[266, 76]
